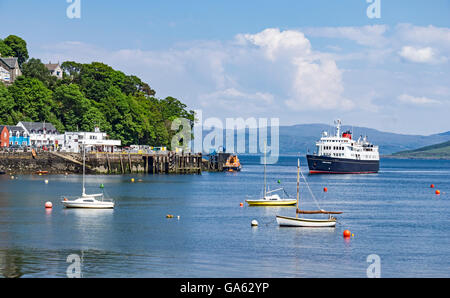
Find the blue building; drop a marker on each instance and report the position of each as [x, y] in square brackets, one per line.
[18, 136]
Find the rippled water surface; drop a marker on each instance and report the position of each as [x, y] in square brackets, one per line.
[394, 214]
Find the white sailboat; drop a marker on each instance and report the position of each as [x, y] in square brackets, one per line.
[93, 201]
[306, 222]
[270, 198]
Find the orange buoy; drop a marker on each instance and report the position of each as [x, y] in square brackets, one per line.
[432, 185]
[325, 189]
[347, 233]
[438, 192]
[48, 205]
[241, 204]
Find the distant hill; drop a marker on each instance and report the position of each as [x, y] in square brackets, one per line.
[302, 137]
[438, 151]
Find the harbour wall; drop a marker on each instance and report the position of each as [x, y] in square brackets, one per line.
[110, 163]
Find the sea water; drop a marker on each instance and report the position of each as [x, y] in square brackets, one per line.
[393, 214]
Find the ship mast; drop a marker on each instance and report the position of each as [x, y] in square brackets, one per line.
[338, 127]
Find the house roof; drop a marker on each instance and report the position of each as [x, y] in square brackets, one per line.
[10, 62]
[29, 126]
[51, 66]
[14, 128]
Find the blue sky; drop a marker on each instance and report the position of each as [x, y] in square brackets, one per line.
[300, 61]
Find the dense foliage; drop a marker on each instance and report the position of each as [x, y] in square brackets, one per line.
[90, 95]
[14, 46]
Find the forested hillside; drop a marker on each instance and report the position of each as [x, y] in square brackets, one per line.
[88, 95]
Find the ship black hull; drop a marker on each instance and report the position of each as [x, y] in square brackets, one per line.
[330, 165]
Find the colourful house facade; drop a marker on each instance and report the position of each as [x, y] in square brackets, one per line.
[13, 135]
[4, 136]
[18, 136]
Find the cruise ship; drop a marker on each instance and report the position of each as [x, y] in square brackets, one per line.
[341, 154]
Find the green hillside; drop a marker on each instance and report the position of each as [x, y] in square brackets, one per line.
[437, 151]
[88, 95]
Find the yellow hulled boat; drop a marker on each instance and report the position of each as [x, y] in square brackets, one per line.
[269, 198]
[273, 200]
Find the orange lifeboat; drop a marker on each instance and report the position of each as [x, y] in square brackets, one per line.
[232, 164]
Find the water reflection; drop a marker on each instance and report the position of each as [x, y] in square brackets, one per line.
[11, 263]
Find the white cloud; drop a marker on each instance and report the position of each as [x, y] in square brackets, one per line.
[370, 35]
[405, 98]
[424, 35]
[419, 55]
[276, 43]
[232, 95]
[316, 81]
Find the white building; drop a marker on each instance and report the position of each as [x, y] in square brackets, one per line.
[41, 133]
[96, 140]
[55, 69]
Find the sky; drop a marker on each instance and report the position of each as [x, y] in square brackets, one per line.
[309, 61]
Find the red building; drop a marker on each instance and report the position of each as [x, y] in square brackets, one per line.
[4, 136]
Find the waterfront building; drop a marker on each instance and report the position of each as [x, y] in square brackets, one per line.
[13, 135]
[40, 133]
[18, 136]
[4, 136]
[96, 141]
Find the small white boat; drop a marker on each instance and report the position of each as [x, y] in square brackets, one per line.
[95, 201]
[92, 201]
[304, 222]
[286, 221]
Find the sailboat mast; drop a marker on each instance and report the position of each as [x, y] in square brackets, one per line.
[84, 166]
[264, 169]
[298, 184]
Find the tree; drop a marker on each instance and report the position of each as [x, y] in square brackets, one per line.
[5, 50]
[33, 101]
[34, 68]
[6, 106]
[18, 46]
[77, 112]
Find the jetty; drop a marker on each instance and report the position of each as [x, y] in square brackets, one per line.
[168, 162]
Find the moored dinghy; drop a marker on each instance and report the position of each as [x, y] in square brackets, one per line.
[306, 222]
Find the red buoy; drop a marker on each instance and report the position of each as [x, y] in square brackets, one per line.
[438, 192]
[325, 189]
[241, 204]
[432, 185]
[347, 234]
[48, 205]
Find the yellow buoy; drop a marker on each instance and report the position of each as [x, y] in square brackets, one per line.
[132, 179]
